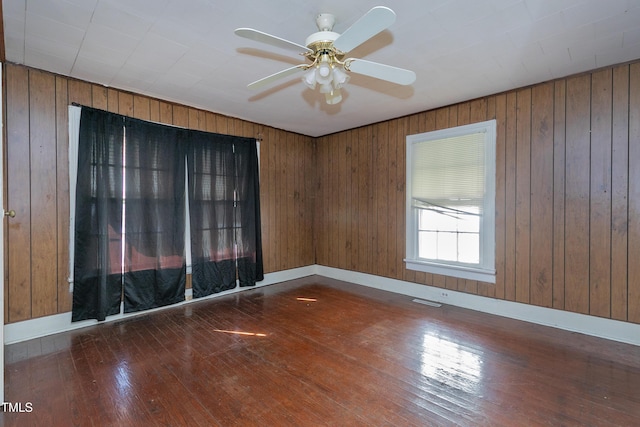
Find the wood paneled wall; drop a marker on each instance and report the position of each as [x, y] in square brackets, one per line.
[567, 202]
[37, 182]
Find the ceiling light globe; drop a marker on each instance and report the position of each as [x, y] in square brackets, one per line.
[324, 70]
[309, 78]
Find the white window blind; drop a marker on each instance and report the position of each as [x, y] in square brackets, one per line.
[449, 171]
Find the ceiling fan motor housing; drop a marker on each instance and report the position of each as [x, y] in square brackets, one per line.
[325, 21]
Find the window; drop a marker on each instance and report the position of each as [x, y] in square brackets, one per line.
[451, 201]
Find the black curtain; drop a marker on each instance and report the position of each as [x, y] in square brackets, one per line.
[223, 200]
[147, 214]
[155, 268]
[98, 224]
[248, 229]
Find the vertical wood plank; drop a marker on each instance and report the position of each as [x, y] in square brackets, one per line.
[348, 199]
[619, 192]
[600, 197]
[80, 92]
[523, 196]
[392, 193]
[44, 239]
[340, 174]
[280, 243]
[98, 96]
[273, 219]
[634, 194]
[265, 190]
[559, 173]
[141, 107]
[18, 240]
[312, 202]
[323, 201]
[501, 222]
[310, 179]
[510, 196]
[166, 113]
[113, 100]
[125, 104]
[464, 115]
[577, 194]
[320, 202]
[453, 112]
[364, 153]
[222, 124]
[353, 200]
[372, 236]
[542, 195]
[382, 199]
[154, 110]
[288, 212]
[196, 120]
[180, 116]
[62, 191]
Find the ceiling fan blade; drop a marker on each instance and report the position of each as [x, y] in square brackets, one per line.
[380, 71]
[279, 75]
[376, 20]
[259, 36]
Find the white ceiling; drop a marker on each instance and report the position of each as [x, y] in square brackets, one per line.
[185, 51]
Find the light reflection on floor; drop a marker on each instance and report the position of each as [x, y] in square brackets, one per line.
[123, 386]
[451, 364]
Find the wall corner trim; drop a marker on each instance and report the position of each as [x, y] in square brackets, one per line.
[48, 325]
[614, 330]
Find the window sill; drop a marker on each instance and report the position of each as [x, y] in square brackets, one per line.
[462, 272]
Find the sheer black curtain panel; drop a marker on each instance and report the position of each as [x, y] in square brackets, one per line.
[223, 200]
[247, 220]
[154, 211]
[98, 224]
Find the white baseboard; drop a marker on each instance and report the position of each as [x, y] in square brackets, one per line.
[590, 325]
[48, 325]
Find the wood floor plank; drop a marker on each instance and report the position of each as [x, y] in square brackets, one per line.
[318, 351]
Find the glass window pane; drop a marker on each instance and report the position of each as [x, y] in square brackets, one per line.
[427, 219]
[447, 247]
[469, 223]
[447, 222]
[427, 245]
[469, 248]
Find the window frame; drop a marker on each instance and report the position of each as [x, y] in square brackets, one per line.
[485, 270]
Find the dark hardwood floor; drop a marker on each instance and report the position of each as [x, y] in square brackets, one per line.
[319, 352]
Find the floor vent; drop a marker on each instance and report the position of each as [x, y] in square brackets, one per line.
[425, 302]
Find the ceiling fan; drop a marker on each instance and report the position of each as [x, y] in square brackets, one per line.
[326, 51]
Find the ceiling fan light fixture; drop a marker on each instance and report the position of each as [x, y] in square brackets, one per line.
[340, 77]
[309, 78]
[324, 70]
[326, 88]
